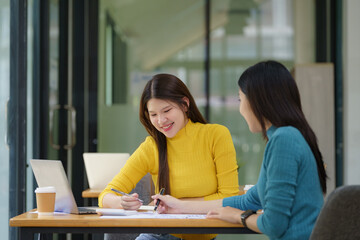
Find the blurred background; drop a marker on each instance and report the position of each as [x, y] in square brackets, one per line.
[72, 72]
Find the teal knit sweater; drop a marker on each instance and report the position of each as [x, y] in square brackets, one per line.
[288, 188]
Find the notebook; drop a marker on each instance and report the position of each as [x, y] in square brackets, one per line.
[102, 167]
[51, 173]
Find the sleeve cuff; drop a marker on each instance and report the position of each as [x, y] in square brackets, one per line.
[229, 201]
[259, 223]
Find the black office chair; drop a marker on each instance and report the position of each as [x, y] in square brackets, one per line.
[340, 215]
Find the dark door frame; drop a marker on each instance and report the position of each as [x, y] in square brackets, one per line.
[329, 49]
[17, 109]
[85, 33]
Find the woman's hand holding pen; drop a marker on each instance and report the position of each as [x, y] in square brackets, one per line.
[112, 200]
[130, 202]
[168, 204]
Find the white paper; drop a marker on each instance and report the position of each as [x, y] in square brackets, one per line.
[158, 216]
[114, 212]
[147, 208]
[144, 213]
[55, 213]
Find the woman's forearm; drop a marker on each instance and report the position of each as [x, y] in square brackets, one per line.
[192, 199]
[111, 200]
[199, 206]
[251, 223]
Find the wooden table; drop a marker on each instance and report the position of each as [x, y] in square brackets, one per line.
[91, 193]
[29, 223]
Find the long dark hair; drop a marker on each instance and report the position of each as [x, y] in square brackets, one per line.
[273, 95]
[170, 88]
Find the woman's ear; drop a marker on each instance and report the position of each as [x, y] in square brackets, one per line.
[185, 99]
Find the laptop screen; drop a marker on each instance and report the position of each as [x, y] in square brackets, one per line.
[51, 173]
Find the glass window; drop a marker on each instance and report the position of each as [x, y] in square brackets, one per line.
[4, 97]
[29, 118]
[138, 39]
[243, 33]
[54, 84]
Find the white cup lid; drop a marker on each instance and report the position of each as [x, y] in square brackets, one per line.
[49, 189]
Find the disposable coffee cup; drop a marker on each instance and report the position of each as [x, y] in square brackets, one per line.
[45, 200]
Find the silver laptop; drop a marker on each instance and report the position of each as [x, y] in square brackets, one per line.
[51, 173]
[102, 167]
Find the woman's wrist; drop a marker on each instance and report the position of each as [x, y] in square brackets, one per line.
[112, 200]
[245, 215]
[183, 206]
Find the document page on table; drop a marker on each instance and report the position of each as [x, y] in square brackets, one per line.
[160, 216]
[121, 213]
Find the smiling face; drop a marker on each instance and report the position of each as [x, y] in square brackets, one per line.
[248, 114]
[167, 117]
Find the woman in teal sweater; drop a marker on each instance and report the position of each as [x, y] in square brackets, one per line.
[292, 178]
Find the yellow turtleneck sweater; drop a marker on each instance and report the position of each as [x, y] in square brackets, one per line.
[202, 163]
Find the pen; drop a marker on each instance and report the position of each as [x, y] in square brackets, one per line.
[122, 193]
[158, 201]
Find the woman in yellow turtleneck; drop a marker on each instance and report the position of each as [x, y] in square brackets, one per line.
[188, 157]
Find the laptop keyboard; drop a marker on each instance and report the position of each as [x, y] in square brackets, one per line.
[87, 210]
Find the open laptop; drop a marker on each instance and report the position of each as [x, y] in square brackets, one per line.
[51, 173]
[102, 167]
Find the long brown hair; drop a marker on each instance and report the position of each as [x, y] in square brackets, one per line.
[273, 95]
[170, 88]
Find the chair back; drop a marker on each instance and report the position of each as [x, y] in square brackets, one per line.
[339, 217]
[102, 167]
